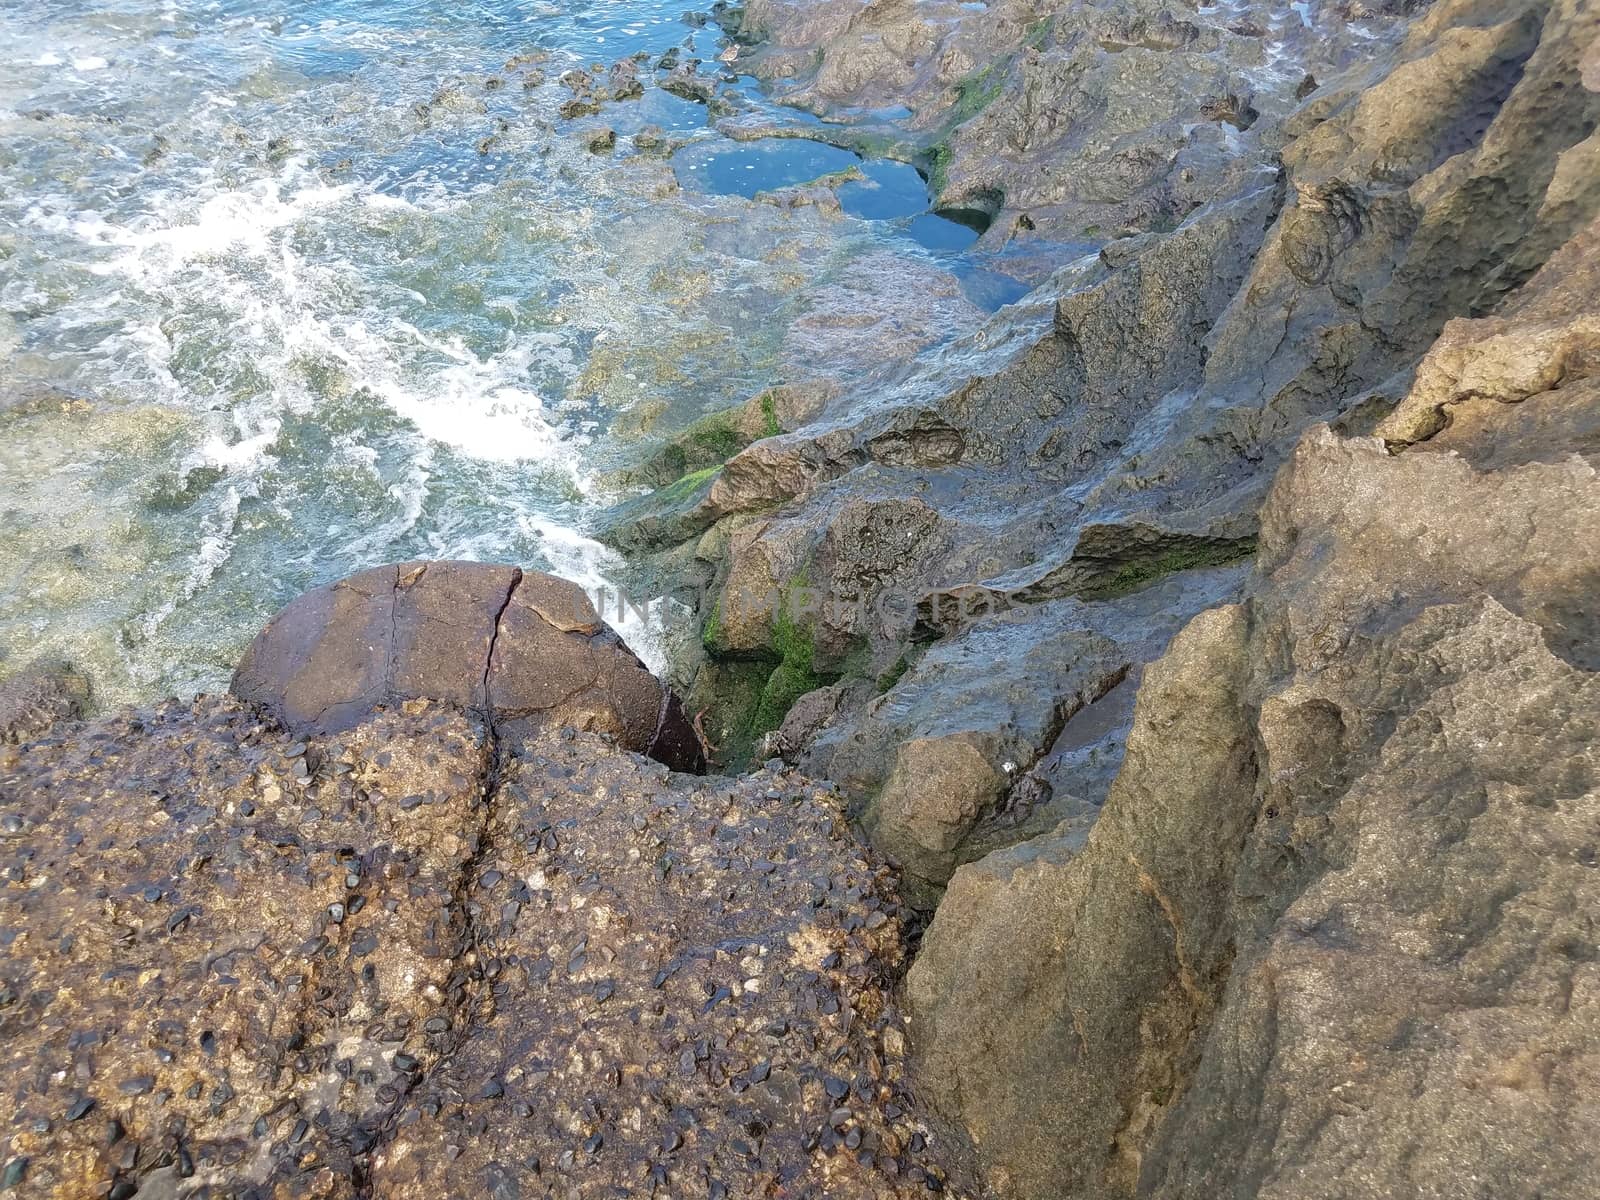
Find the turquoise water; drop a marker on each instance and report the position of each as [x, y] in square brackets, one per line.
[290, 289]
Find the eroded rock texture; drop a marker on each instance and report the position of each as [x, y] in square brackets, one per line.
[1069, 120]
[959, 561]
[1333, 934]
[410, 959]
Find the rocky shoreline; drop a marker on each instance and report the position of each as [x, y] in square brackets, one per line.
[429, 943]
[1301, 392]
[1089, 466]
[1202, 651]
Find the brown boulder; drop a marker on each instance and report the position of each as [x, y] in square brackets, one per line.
[521, 648]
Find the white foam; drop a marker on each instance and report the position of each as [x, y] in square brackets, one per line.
[218, 531]
[592, 566]
[90, 62]
[237, 254]
[242, 221]
[246, 453]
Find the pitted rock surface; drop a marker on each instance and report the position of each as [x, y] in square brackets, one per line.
[415, 959]
[519, 647]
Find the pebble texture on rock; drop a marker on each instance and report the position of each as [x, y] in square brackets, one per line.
[37, 697]
[518, 647]
[408, 959]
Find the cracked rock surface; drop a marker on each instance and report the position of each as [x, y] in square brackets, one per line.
[520, 648]
[415, 957]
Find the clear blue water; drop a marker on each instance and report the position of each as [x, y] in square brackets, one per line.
[762, 166]
[887, 191]
[878, 190]
[941, 233]
[325, 284]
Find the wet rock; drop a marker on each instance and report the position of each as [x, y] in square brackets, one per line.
[253, 994]
[567, 965]
[820, 196]
[887, 307]
[1085, 119]
[623, 80]
[39, 696]
[684, 81]
[601, 141]
[706, 1006]
[932, 763]
[1120, 427]
[519, 647]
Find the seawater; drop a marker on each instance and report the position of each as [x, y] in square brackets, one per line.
[289, 289]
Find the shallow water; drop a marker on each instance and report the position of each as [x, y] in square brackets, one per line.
[332, 287]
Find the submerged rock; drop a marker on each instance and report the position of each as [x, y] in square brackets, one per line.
[37, 697]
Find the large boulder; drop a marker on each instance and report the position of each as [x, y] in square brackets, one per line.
[519, 647]
[417, 959]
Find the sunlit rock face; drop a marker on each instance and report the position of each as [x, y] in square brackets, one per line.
[1336, 906]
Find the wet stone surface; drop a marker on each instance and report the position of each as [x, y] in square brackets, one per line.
[518, 647]
[408, 959]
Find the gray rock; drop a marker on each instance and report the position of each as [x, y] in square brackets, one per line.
[1333, 912]
[1122, 424]
[1066, 121]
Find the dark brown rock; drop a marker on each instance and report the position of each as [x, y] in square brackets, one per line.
[515, 646]
[442, 962]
